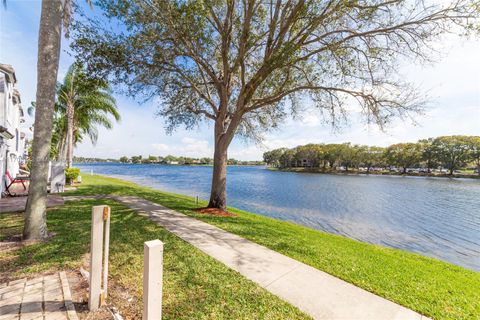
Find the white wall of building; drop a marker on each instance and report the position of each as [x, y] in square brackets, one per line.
[12, 135]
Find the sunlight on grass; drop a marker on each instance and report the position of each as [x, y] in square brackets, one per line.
[195, 285]
[432, 287]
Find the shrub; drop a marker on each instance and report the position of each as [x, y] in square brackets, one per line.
[71, 174]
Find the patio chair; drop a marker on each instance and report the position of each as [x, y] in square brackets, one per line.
[10, 182]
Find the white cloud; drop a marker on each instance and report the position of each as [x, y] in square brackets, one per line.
[245, 152]
[310, 120]
[193, 147]
[161, 147]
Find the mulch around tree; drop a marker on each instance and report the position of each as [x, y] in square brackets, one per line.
[215, 212]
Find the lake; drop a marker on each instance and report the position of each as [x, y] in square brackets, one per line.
[437, 217]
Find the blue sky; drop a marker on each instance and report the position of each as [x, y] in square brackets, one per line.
[452, 83]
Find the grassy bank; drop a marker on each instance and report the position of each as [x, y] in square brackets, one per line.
[470, 174]
[195, 285]
[429, 286]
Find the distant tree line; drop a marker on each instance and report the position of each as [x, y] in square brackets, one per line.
[442, 153]
[182, 160]
[89, 160]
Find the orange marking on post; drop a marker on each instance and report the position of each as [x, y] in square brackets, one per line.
[106, 211]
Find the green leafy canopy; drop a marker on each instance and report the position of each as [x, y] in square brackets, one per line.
[247, 64]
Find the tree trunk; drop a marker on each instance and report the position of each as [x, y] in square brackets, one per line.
[47, 67]
[62, 150]
[218, 194]
[70, 115]
[223, 136]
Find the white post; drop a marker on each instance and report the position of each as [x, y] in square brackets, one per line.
[106, 218]
[152, 280]
[96, 258]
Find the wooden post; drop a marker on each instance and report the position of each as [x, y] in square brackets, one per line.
[106, 218]
[196, 201]
[152, 280]
[96, 258]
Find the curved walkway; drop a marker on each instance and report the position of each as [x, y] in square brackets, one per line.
[313, 291]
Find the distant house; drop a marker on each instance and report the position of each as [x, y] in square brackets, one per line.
[303, 163]
[12, 138]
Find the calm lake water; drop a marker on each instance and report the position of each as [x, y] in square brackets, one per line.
[436, 217]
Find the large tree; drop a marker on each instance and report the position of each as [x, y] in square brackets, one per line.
[474, 143]
[452, 151]
[404, 155]
[371, 156]
[272, 158]
[428, 153]
[244, 64]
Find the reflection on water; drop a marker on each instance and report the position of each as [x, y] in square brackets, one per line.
[437, 217]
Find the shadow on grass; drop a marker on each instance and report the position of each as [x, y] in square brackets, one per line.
[429, 286]
[195, 285]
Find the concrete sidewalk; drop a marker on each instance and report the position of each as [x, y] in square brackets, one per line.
[17, 204]
[315, 292]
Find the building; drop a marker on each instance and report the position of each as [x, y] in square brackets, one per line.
[12, 137]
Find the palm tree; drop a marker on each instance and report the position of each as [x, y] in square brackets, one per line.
[53, 14]
[83, 104]
[47, 67]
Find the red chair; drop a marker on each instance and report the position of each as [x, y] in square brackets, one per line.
[14, 181]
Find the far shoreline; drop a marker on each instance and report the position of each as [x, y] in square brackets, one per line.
[306, 170]
[354, 173]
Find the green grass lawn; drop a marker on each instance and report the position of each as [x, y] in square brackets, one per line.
[195, 285]
[434, 288]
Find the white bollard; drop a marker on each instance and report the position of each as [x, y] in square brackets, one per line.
[152, 280]
[96, 245]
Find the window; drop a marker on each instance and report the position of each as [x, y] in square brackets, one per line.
[2, 83]
[3, 99]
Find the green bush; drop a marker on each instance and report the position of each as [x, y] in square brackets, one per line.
[71, 174]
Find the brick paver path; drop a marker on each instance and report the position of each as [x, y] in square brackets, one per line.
[42, 298]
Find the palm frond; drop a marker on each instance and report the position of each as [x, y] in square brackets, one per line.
[94, 105]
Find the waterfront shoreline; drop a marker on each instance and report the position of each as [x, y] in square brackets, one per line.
[424, 284]
[354, 173]
[370, 209]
